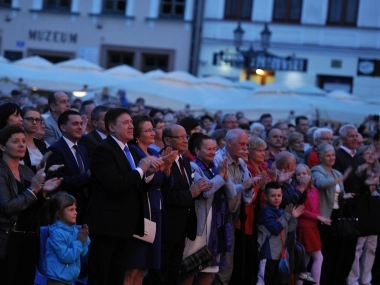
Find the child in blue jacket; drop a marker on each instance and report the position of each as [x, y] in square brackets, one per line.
[272, 221]
[66, 244]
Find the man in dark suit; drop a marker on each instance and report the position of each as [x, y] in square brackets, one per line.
[116, 205]
[66, 152]
[58, 103]
[178, 219]
[99, 133]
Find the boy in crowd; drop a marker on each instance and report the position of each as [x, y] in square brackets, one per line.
[272, 221]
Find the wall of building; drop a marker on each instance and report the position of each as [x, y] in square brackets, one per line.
[311, 39]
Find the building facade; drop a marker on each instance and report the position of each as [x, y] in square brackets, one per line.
[337, 42]
[145, 34]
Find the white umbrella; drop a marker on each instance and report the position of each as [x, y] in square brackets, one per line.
[36, 62]
[274, 88]
[123, 71]
[310, 90]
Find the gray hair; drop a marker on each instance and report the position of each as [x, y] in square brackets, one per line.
[256, 142]
[293, 137]
[233, 134]
[318, 133]
[256, 125]
[322, 148]
[227, 115]
[343, 130]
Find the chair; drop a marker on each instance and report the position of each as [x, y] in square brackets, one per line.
[40, 278]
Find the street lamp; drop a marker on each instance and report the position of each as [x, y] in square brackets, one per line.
[249, 54]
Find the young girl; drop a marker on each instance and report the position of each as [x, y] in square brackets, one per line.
[307, 230]
[66, 244]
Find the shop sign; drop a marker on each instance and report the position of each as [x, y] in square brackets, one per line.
[53, 36]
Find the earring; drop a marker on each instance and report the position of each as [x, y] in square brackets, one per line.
[137, 140]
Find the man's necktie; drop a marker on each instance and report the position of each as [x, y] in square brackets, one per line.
[79, 159]
[129, 157]
[180, 160]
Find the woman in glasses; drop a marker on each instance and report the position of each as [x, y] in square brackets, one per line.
[35, 149]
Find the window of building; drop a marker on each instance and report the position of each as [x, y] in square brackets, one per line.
[287, 11]
[115, 58]
[57, 5]
[12, 55]
[238, 9]
[343, 12]
[5, 3]
[114, 6]
[154, 61]
[330, 83]
[172, 8]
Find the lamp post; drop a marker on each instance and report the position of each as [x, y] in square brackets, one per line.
[250, 53]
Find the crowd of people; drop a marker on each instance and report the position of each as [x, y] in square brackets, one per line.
[260, 196]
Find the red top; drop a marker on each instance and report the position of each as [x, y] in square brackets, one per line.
[313, 158]
[249, 208]
[312, 209]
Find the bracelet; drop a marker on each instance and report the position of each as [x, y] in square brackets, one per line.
[30, 189]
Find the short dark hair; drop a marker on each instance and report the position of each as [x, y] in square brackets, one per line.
[83, 106]
[8, 131]
[6, 110]
[196, 140]
[269, 131]
[189, 123]
[51, 98]
[27, 109]
[95, 114]
[64, 117]
[264, 116]
[219, 134]
[299, 118]
[157, 120]
[207, 117]
[167, 132]
[58, 203]
[112, 115]
[137, 121]
[271, 185]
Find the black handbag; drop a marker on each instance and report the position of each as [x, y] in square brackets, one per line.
[197, 261]
[345, 226]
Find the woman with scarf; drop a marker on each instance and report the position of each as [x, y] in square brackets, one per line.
[211, 208]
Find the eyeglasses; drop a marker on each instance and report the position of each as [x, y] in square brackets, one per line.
[180, 137]
[369, 154]
[149, 131]
[32, 120]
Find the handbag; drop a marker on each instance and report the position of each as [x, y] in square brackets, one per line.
[345, 226]
[149, 227]
[197, 261]
[283, 265]
[4, 240]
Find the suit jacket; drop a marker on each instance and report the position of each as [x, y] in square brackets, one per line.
[89, 141]
[353, 183]
[179, 217]
[326, 187]
[73, 182]
[116, 203]
[52, 131]
[41, 147]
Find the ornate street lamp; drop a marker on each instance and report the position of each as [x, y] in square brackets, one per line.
[249, 54]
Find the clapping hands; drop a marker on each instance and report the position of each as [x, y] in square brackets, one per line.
[83, 233]
[294, 210]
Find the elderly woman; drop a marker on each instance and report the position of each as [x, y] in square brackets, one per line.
[245, 256]
[366, 246]
[211, 209]
[296, 146]
[329, 182]
[142, 255]
[22, 195]
[257, 129]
